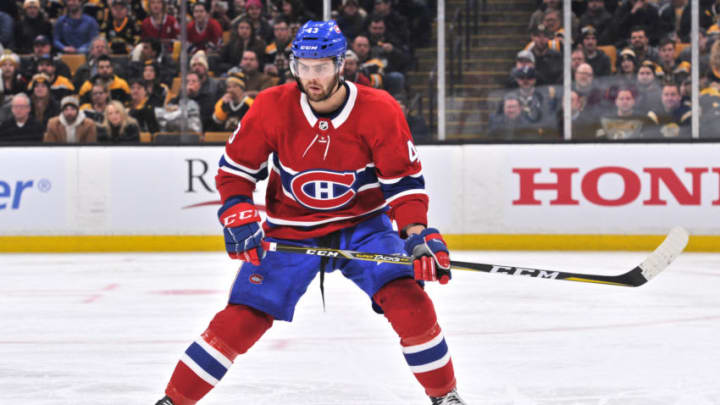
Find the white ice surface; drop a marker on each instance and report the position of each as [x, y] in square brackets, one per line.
[109, 328]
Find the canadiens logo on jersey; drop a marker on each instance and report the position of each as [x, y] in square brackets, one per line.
[323, 190]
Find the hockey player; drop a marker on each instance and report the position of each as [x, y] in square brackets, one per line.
[344, 166]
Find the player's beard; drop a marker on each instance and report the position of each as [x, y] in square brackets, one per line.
[316, 90]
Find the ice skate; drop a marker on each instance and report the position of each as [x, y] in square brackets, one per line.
[165, 401]
[451, 398]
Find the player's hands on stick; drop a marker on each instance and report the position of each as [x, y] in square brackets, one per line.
[242, 231]
[431, 256]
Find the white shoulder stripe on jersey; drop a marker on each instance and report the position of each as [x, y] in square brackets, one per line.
[405, 193]
[242, 167]
[238, 173]
[278, 221]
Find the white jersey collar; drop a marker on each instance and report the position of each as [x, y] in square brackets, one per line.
[344, 113]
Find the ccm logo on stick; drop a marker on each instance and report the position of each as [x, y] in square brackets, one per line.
[632, 185]
[519, 271]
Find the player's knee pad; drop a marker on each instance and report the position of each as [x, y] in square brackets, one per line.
[236, 328]
[408, 308]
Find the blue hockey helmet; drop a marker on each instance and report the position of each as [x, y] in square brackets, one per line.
[319, 39]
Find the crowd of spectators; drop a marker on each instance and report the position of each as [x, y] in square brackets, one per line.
[126, 80]
[630, 72]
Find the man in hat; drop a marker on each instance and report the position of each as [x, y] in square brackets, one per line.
[598, 17]
[230, 109]
[42, 47]
[21, 127]
[43, 105]
[548, 63]
[210, 87]
[351, 70]
[60, 86]
[523, 58]
[596, 58]
[71, 126]
[74, 31]
[537, 104]
[11, 81]
[32, 23]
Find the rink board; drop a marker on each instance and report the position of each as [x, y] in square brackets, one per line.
[551, 197]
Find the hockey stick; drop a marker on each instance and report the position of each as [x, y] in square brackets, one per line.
[656, 262]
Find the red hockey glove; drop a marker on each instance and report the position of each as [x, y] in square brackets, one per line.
[431, 256]
[242, 231]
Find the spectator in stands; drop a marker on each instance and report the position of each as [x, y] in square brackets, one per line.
[41, 48]
[371, 67]
[97, 9]
[537, 105]
[151, 52]
[140, 109]
[523, 58]
[120, 29]
[158, 92]
[60, 86]
[708, 15]
[205, 101]
[7, 30]
[597, 16]
[11, 80]
[673, 120]
[599, 61]
[203, 33]
[99, 100]
[98, 48]
[395, 56]
[548, 63]
[670, 14]
[118, 127]
[21, 126]
[625, 122]
[294, 11]
[74, 31]
[627, 68]
[231, 108]
[637, 13]
[71, 126]
[585, 87]
[33, 22]
[550, 6]
[512, 122]
[255, 80]
[351, 19]
[160, 25]
[277, 52]
[241, 38]
[350, 70]
[639, 42]
[577, 58]
[418, 127]
[396, 25]
[53, 8]
[704, 46]
[584, 119]
[119, 89]
[552, 20]
[649, 90]
[210, 86]
[43, 105]
[219, 12]
[260, 24]
[666, 57]
[137, 10]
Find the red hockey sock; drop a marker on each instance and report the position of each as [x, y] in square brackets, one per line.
[232, 332]
[412, 315]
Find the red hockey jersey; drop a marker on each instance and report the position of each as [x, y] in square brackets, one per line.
[327, 174]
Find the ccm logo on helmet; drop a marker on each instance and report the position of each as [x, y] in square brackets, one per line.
[323, 190]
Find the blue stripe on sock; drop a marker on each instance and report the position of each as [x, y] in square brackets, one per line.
[428, 355]
[206, 361]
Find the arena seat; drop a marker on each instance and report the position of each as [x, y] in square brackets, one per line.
[611, 52]
[73, 60]
[216, 136]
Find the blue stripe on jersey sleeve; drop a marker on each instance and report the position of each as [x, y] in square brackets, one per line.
[427, 356]
[206, 361]
[405, 184]
[260, 175]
